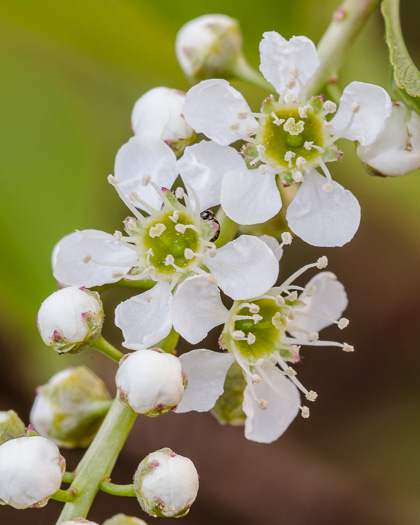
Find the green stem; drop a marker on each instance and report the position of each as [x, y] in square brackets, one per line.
[347, 21]
[106, 348]
[169, 343]
[243, 71]
[118, 490]
[64, 495]
[146, 285]
[68, 477]
[228, 228]
[99, 460]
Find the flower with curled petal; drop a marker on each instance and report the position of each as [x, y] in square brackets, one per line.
[288, 141]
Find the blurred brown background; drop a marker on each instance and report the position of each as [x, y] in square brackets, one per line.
[70, 75]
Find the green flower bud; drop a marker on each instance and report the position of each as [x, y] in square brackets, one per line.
[11, 426]
[71, 407]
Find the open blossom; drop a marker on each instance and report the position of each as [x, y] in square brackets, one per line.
[263, 335]
[288, 141]
[250, 268]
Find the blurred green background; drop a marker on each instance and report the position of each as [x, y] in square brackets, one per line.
[70, 74]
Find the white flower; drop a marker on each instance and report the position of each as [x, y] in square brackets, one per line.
[158, 113]
[70, 408]
[150, 382]
[241, 267]
[70, 319]
[166, 484]
[30, 471]
[263, 335]
[209, 46]
[288, 140]
[396, 150]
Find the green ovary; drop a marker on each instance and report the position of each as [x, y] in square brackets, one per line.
[278, 141]
[171, 242]
[267, 335]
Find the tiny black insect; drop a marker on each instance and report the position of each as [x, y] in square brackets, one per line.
[208, 215]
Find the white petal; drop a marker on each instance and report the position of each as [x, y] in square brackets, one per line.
[145, 155]
[145, 319]
[323, 218]
[203, 167]
[70, 269]
[250, 197]
[278, 56]
[197, 308]
[375, 108]
[265, 426]
[211, 107]
[244, 268]
[329, 300]
[206, 372]
[273, 244]
[389, 154]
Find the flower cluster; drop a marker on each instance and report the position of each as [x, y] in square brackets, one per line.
[197, 271]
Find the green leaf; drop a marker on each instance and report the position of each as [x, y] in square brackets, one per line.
[406, 74]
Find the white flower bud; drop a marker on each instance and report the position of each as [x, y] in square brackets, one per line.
[78, 521]
[159, 113]
[150, 382]
[71, 407]
[396, 150]
[122, 519]
[208, 46]
[31, 469]
[166, 484]
[70, 319]
[11, 426]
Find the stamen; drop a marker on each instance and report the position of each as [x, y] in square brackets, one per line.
[291, 98]
[355, 107]
[300, 161]
[146, 179]
[276, 120]
[87, 258]
[169, 260]
[313, 336]
[322, 262]
[179, 193]
[293, 127]
[308, 145]
[277, 320]
[280, 300]
[310, 290]
[289, 156]
[261, 149]
[118, 236]
[298, 176]
[305, 412]
[243, 114]
[348, 348]
[263, 404]
[290, 371]
[303, 111]
[287, 238]
[175, 216]
[291, 83]
[113, 181]
[251, 338]
[311, 395]
[180, 228]
[130, 224]
[330, 107]
[292, 297]
[256, 378]
[188, 254]
[157, 230]
[343, 323]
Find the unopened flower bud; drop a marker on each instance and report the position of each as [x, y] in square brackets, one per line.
[166, 484]
[159, 113]
[78, 521]
[71, 407]
[11, 426]
[70, 319]
[396, 150]
[122, 519]
[31, 469]
[208, 46]
[151, 382]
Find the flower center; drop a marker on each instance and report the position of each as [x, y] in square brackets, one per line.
[172, 242]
